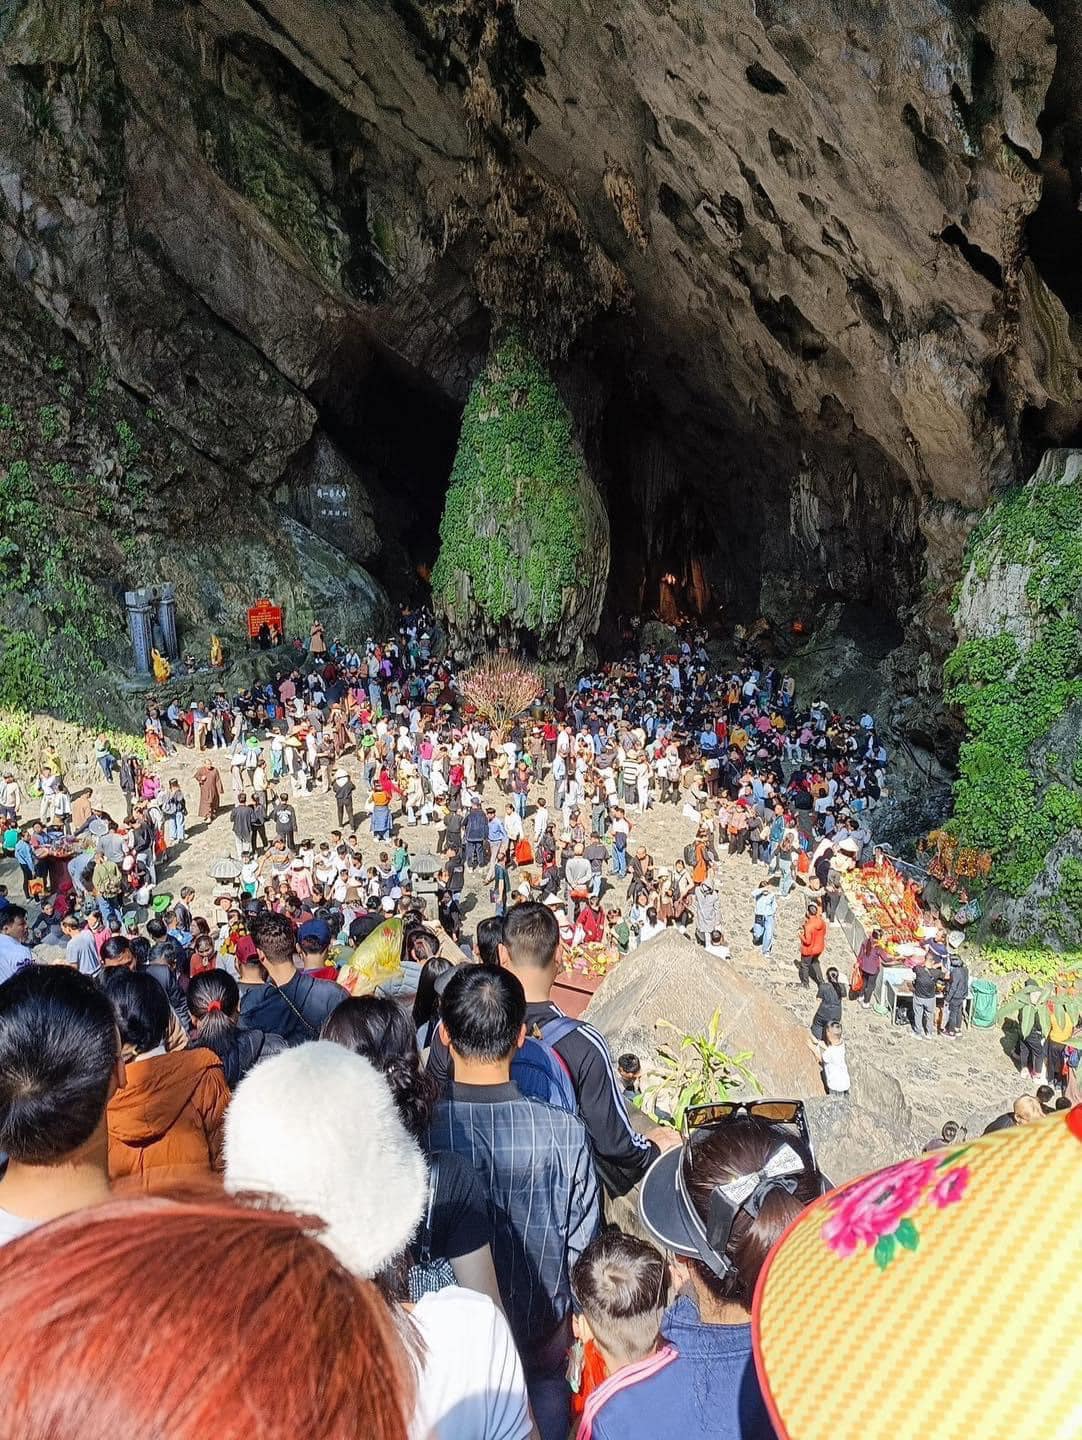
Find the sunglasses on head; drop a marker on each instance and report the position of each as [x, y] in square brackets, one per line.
[774, 1112]
[727, 1200]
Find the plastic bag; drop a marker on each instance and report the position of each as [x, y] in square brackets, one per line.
[376, 961]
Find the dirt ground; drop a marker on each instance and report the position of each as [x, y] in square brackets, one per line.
[963, 1078]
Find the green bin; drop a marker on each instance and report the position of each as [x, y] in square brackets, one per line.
[985, 1003]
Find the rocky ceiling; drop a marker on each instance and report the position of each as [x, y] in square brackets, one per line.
[809, 272]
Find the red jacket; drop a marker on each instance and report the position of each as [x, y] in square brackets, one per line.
[593, 924]
[813, 936]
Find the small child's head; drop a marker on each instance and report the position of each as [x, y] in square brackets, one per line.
[622, 1285]
[834, 1033]
[629, 1068]
[1045, 1094]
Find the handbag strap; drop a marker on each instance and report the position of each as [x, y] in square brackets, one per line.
[425, 1247]
[299, 1014]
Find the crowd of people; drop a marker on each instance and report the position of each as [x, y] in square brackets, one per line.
[456, 1147]
[469, 1214]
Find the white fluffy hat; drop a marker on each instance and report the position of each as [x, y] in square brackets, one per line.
[317, 1130]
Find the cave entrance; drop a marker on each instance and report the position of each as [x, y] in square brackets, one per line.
[399, 431]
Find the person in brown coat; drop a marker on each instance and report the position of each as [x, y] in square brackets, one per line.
[210, 790]
[165, 1125]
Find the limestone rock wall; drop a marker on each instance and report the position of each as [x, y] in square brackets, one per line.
[816, 257]
[97, 496]
[1016, 678]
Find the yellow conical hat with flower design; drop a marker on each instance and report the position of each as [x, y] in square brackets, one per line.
[936, 1298]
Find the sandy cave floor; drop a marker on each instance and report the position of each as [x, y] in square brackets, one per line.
[942, 1079]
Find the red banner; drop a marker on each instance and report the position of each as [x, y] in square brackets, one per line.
[264, 612]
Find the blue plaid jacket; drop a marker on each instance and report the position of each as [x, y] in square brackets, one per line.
[535, 1165]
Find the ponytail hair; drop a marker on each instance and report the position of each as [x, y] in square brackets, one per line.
[381, 1031]
[426, 1002]
[742, 1147]
[214, 1005]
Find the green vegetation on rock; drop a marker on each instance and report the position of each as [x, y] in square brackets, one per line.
[1034, 962]
[59, 621]
[1010, 693]
[521, 521]
[27, 740]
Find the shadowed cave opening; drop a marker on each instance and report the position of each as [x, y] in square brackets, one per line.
[700, 512]
[399, 431]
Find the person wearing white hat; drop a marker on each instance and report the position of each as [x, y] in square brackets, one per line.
[351, 1163]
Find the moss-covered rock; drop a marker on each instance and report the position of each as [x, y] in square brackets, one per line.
[98, 495]
[524, 539]
[1016, 677]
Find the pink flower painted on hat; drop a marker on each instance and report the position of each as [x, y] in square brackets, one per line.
[876, 1207]
[950, 1188]
[878, 1211]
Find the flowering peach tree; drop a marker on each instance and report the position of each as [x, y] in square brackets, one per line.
[499, 688]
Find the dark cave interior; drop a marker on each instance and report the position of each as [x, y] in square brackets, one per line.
[399, 431]
[699, 512]
[700, 503]
[1054, 230]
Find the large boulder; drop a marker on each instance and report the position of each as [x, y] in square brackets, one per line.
[328, 496]
[662, 639]
[228, 569]
[852, 1138]
[672, 979]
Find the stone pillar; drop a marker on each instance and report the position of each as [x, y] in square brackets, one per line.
[167, 619]
[138, 604]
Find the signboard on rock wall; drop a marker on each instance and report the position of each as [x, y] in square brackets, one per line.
[264, 612]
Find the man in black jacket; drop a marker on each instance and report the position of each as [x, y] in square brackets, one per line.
[957, 991]
[343, 796]
[924, 983]
[291, 1004]
[259, 824]
[530, 949]
[285, 821]
[451, 839]
[143, 844]
[476, 832]
[162, 965]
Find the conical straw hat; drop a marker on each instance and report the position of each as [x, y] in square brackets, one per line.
[935, 1298]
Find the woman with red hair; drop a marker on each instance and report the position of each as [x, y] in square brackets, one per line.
[257, 1330]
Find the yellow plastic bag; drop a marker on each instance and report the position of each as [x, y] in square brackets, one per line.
[376, 961]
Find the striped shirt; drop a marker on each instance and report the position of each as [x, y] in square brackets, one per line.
[535, 1165]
